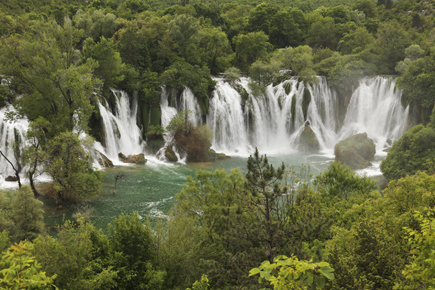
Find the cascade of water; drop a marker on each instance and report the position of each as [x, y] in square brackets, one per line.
[225, 118]
[274, 121]
[375, 109]
[121, 131]
[188, 102]
[10, 132]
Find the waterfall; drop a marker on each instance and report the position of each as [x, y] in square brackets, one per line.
[268, 121]
[375, 109]
[10, 132]
[120, 129]
[187, 102]
[273, 122]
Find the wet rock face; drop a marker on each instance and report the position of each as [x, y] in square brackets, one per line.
[308, 140]
[104, 161]
[170, 154]
[356, 151]
[136, 159]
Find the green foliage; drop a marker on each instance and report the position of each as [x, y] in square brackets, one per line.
[292, 273]
[340, 182]
[70, 167]
[391, 42]
[285, 30]
[132, 254]
[19, 270]
[182, 74]
[250, 48]
[155, 130]
[355, 41]
[22, 215]
[422, 268]
[70, 257]
[184, 30]
[110, 67]
[411, 153]
[132, 47]
[200, 285]
[323, 34]
[416, 83]
[103, 25]
[232, 75]
[45, 68]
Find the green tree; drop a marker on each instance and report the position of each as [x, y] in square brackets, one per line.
[365, 6]
[184, 30]
[71, 257]
[413, 152]
[250, 48]
[70, 166]
[417, 86]
[216, 46]
[133, 254]
[27, 215]
[44, 66]
[103, 25]
[260, 17]
[32, 154]
[355, 41]
[340, 182]
[284, 31]
[391, 42]
[110, 67]
[323, 33]
[132, 47]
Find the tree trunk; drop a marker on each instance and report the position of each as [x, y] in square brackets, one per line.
[17, 173]
[59, 200]
[32, 185]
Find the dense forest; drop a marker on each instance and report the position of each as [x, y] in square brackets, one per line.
[268, 227]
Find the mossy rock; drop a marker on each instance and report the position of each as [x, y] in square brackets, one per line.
[356, 151]
[308, 141]
[170, 154]
[104, 161]
[135, 159]
[11, 178]
[222, 156]
[287, 87]
[217, 156]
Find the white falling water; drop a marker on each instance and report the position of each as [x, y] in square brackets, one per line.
[121, 131]
[188, 103]
[267, 121]
[375, 109]
[10, 132]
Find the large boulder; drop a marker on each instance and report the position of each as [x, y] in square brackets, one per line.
[217, 156]
[136, 159]
[308, 140]
[11, 178]
[356, 151]
[170, 154]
